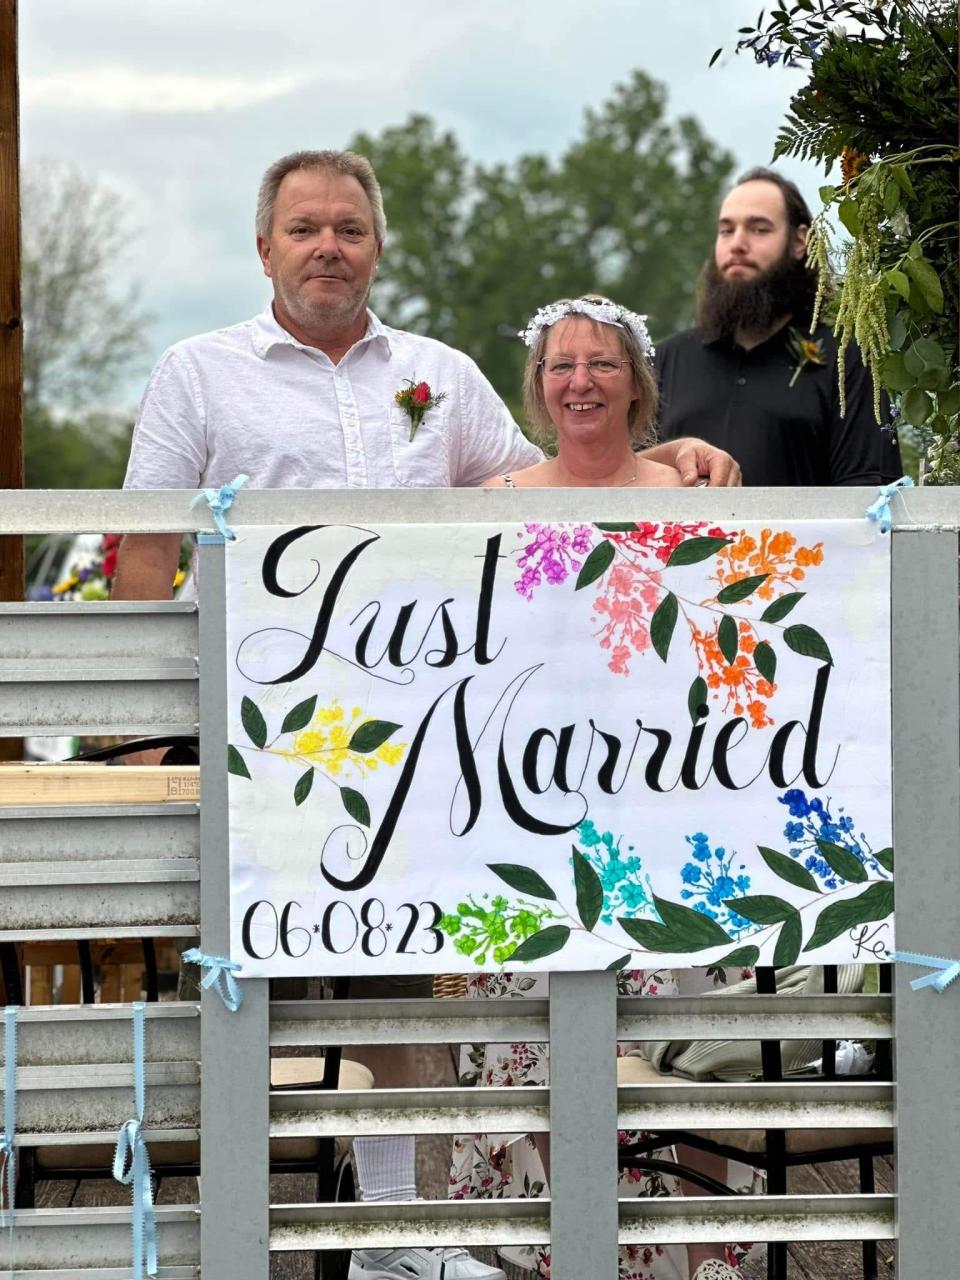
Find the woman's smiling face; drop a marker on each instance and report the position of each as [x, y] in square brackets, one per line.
[578, 400]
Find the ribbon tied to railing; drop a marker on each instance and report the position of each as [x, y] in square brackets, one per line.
[879, 509]
[8, 1152]
[219, 501]
[945, 971]
[218, 974]
[131, 1164]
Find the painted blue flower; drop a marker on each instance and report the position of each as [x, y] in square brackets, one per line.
[712, 882]
[625, 888]
[820, 823]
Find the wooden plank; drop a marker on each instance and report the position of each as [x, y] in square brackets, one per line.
[11, 328]
[97, 784]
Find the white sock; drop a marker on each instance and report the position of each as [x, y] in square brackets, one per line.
[386, 1167]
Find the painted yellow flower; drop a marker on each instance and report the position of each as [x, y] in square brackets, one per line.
[326, 742]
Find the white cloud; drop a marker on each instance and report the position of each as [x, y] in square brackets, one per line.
[127, 90]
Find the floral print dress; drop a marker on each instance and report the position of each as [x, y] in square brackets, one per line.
[494, 1166]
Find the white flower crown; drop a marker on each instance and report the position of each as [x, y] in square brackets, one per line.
[602, 312]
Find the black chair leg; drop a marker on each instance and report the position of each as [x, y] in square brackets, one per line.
[867, 1186]
[776, 1186]
[151, 978]
[12, 977]
[87, 989]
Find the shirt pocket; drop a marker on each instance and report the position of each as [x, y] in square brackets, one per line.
[424, 461]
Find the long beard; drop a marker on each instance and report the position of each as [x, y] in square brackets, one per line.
[727, 307]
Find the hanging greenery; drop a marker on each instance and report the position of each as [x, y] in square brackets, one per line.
[881, 99]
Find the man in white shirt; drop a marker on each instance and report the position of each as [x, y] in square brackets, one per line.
[304, 396]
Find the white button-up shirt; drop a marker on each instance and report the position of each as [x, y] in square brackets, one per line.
[251, 399]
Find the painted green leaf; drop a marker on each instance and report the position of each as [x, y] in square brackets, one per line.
[544, 943]
[693, 550]
[650, 934]
[885, 858]
[303, 787]
[779, 609]
[253, 722]
[370, 735]
[596, 564]
[697, 699]
[743, 957]
[789, 941]
[618, 526]
[765, 660]
[788, 869]
[523, 879]
[874, 903]
[662, 624]
[761, 908]
[299, 717]
[589, 890]
[356, 805]
[843, 862]
[738, 591]
[620, 964]
[693, 928]
[236, 763]
[729, 640]
[807, 642]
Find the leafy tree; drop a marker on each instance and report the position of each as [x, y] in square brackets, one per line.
[80, 328]
[472, 251]
[881, 98]
[86, 453]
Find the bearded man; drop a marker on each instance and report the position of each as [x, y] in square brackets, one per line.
[750, 377]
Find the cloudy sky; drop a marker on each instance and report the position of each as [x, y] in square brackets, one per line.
[180, 105]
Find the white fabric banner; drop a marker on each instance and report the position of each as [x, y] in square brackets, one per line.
[558, 746]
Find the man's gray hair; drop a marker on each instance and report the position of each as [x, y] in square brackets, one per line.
[346, 163]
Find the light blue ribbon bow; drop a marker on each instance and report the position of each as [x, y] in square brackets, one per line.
[219, 975]
[945, 971]
[879, 509]
[132, 1147]
[220, 501]
[8, 1153]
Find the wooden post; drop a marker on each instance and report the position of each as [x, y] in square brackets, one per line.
[11, 334]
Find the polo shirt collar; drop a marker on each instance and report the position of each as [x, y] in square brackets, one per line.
[709, 338]
[269, 333]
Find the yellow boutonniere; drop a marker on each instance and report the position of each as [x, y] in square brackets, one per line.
[805, 350]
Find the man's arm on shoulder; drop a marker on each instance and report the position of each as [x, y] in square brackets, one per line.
[861, 451]
[146, 566]
[695, 460]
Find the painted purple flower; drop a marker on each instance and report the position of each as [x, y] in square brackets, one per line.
[552, 553]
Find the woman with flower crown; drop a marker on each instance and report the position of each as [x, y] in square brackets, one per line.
[588, 385]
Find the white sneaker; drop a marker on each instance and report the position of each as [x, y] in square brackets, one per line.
[419, 1264]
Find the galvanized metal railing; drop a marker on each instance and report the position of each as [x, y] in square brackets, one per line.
[122, 668]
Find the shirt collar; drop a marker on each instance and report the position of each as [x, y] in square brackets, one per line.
[269, 333]
[710, 338]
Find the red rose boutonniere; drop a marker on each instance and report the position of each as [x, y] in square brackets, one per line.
[805, 351]
[416, 399]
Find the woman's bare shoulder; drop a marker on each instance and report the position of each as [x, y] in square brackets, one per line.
[652, 474]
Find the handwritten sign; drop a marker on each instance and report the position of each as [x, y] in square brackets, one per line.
[558, 746]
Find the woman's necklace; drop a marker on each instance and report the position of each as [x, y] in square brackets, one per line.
[620, 484]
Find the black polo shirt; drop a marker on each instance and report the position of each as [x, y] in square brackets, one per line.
[742, 402]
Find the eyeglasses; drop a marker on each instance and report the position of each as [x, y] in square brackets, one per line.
[598, 367]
